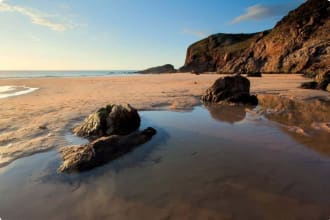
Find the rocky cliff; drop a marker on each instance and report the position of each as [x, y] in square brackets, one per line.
[300, 42]
[167, 68]
[212, 53]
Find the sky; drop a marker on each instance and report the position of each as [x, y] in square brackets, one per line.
[121, 34]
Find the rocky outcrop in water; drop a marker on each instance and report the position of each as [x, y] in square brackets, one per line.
[113, 119]
[101, 151]
[232, 89]
[300, 42]
[167, 68]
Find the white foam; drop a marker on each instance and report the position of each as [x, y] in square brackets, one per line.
[9, 91]
[6, 89]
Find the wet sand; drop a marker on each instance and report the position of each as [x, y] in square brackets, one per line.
[37, 121]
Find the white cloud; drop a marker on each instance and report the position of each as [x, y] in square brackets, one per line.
[260, 12]
[36, 17]
[197, 33]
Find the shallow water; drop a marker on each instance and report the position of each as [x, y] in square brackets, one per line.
[210, 163]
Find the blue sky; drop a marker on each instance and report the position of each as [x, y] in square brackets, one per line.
[121, 34]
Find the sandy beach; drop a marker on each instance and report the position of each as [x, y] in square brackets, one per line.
[37, 121]
[206, 162]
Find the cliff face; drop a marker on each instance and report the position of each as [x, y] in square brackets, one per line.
[300, 42]
[214, 52]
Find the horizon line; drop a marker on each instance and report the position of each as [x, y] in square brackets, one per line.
[71, 70]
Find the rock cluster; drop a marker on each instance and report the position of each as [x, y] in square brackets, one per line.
[112, 131]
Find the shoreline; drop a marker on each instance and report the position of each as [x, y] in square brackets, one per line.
[37, 121]
[136, 74]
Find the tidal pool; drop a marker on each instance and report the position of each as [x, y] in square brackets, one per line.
[210, 163]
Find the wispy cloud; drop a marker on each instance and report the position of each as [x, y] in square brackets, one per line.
[197, 33]
[37, 17]
[260, 12]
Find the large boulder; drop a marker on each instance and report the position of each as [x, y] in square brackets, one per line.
[112, 119]
[233, 89]
[102, 150]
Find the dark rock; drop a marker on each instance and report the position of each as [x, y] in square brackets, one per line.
[42, 127]
[101, 151]
[233, 89]
[113, 119]
[167, 68]
[254, 74]
[309, 85]
[244, 98]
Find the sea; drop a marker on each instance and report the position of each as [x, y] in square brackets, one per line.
[63, 73]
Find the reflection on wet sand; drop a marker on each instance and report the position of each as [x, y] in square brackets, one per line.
[226, 113]
[194, 168]
[307, 122]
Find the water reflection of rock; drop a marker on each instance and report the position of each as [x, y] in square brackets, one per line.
[226, 113]
[304, 121]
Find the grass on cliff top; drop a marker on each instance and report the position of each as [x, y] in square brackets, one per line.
[227, 43]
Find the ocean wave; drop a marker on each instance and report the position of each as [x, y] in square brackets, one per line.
[9, 91]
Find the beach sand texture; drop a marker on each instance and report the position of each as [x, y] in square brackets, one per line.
[37, 121]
